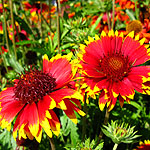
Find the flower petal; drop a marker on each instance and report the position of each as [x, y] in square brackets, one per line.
[59, 95]
[54, 123]
[102, 100]
[61, 70]
[44, 105]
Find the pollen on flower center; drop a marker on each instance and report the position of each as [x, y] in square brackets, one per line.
[33, 86]
[115, 66]
[115, 63]
[135, 26]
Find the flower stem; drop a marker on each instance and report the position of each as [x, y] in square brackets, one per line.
[105, 123]
[41, 30]
[3, 59]
[50, 13]
[5, 27]
[52, 144]
[28, 22]
[84, 119]
[113, 14]
[15, 9]
[13, 27]
[58, 25]
[108, 18]
[115, 146]
[46, 23]
[136, 10]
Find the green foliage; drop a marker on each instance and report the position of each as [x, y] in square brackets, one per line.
[87, 145]
[6, 140]
[69, 129]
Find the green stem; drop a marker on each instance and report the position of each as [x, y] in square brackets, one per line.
[41, 20]
[84, 118]
[113, 14]
[3, 59]
[5, 27]
[136, 10]
[105, 123]
[50, 13]
[108, 18]
[16, 12]
[27, 21]
[13, 27]
[46, 23]
[58, 25]
[115, 146]
[52, 144]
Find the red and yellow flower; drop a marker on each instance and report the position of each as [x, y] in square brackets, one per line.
[1, 28]
[1, 7]
[29, 103]
[3, 49]
[77, 4]
[63, 1]
[144, 145]
[141, 28]
[111, 65]
[121, 15]
[35, 7]
[71, 15]
[126, 4]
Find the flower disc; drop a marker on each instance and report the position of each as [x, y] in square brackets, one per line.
[33, 86]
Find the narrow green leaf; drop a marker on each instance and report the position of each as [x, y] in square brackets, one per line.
[23, 24]
[65, 46]
[64, 33]
[25, 42]
[95, 25]
[136, 105]
[74, 134]
[55, 41]
[15, 64]
[130, 14]
[100, 146]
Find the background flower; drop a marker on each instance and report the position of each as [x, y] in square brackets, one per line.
[144, 145]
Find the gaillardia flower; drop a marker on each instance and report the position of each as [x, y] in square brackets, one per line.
[29, 103]
[111, 65]
[143, 145]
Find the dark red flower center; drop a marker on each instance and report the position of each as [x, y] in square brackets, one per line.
[33, 86]
[115, 66]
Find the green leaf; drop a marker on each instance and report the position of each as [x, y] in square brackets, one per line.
[15, 64]
[65, 127]
[74, 134]
[55, 41]
[68, 127]
[95, 25]
[25, 42]
[50, 43]
[136, 105]
[130, 14]
[6, 140]
[100, 146]
[41, 50]
[13, 143]
[64, 33]
[65, 46]
[23, 24]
